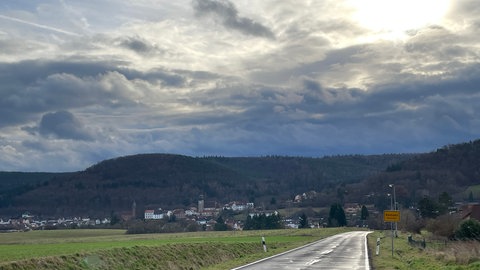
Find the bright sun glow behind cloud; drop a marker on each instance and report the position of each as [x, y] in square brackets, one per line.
[391, 19]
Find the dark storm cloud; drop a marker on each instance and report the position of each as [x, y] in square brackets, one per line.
[25, 95]
[32, 87]
[138, 45]
[168, 78]
[63, 125]
[227, 13]
[337, 120]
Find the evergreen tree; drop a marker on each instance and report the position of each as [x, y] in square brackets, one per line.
[263, 222]
[114, 218]
[220, 225]
[337, 217]
[364, 214]
[274, 221]
[428, 208]
[303, 221]
[444, 201]
[273, 201]
[248, 223]
[470, 197]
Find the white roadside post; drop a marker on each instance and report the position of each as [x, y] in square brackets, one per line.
[377, 251]
[264, 244]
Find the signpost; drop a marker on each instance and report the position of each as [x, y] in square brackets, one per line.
[392, 216]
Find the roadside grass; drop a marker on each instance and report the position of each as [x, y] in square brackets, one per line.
[456, 255]
[81, 248]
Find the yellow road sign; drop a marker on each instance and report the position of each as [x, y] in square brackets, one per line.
[391, 216]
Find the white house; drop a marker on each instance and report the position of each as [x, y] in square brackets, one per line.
[5, 222]
[153, 214]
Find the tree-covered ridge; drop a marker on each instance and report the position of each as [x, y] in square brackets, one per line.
[451, 169]
[171, 181]
[165, 180]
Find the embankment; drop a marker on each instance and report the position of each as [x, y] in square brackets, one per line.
[169, 256]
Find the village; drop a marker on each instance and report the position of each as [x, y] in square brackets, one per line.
[205, 214]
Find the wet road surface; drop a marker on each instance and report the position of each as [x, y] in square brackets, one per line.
[342, 251]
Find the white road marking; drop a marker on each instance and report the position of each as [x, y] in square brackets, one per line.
[312, 262]
[327, 252]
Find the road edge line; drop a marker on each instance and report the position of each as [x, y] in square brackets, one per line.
[367, 252]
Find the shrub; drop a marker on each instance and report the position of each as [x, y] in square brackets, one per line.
[469, 230]
[443, 226]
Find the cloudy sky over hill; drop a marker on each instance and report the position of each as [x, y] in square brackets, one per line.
[83, 81]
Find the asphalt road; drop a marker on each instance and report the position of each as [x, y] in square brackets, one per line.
[342, 251]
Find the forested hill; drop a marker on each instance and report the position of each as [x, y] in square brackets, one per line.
[171, 181]
[454, 169]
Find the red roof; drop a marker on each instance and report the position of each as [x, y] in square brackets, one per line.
[472, 211]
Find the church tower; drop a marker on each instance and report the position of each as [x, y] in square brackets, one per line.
[201, 204]
[134, 210]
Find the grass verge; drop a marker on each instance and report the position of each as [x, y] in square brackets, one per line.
[449, 256]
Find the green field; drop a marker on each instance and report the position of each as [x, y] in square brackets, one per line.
[77, 247]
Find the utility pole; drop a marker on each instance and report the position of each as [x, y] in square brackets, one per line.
[395, 207]
[392, 215]
[391, 223]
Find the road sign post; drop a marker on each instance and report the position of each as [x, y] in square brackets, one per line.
[392, 216]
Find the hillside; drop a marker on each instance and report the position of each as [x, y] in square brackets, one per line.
[13, 184]
[174, 181]
[171, 181]
[450, 169]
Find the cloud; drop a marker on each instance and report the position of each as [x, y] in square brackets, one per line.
[64, 125]
[32, 87]
[150, 77]
[227, 13]
[137, 45]
[41, 26]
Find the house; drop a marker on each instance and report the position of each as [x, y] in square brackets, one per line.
[238, 206]
[266, 213]
[153, 214]
[202, 221]
[471, 211]
[290, 223]
[179, 213]
[210, 209]
[27, 215]
[351, 208]
[191, 212]
[5, 222]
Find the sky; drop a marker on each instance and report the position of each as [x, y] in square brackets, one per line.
[84, 81]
